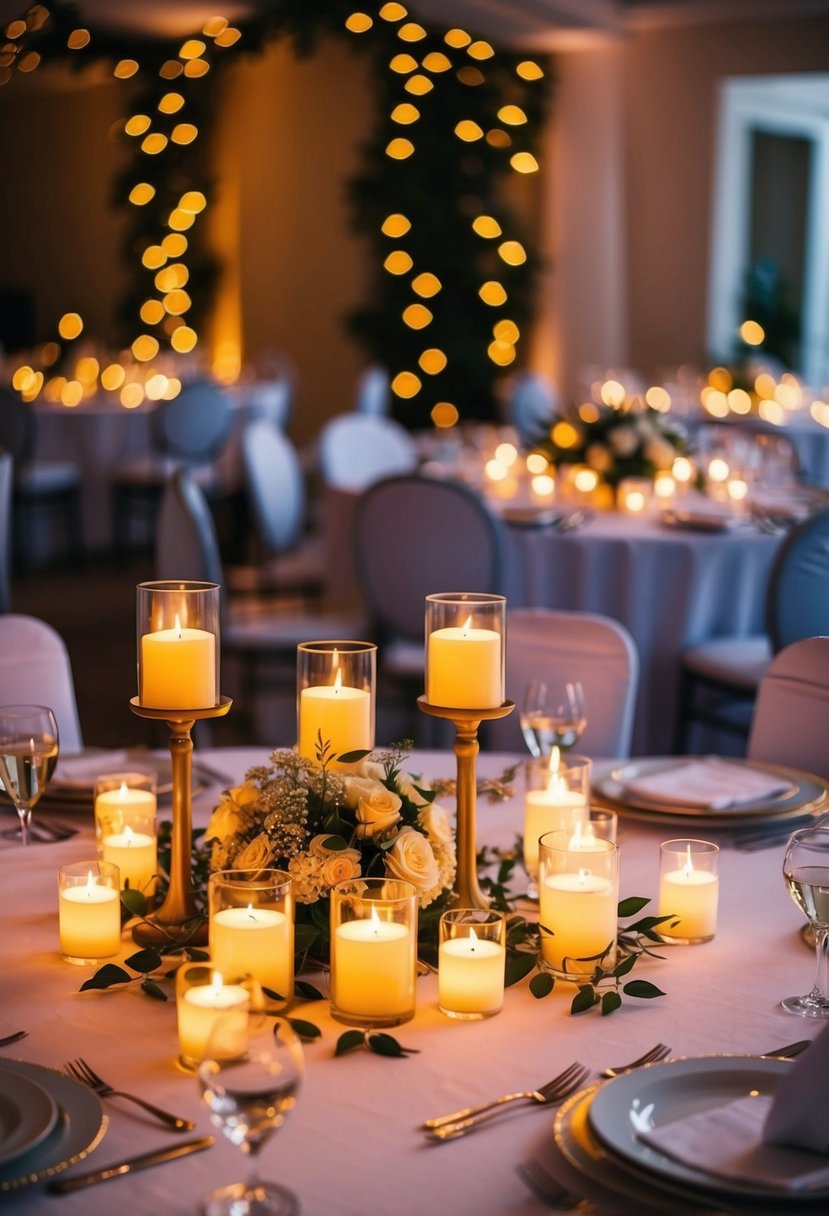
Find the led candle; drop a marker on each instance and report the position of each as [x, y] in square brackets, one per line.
[557, 807]
[199, 1008]
[689, 893]
[463, 667]
[373, 969]
[89, 920]
[339, 714]
[116, 807]
[471, 975]
[178, 668]
[634, 495]
[136, 855]
[578, 895]
[254, 941]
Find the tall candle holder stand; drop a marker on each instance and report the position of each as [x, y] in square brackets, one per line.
[177, 918]
[468, 893]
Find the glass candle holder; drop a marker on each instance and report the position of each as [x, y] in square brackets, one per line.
[465, 636]
[178, 645]
[471, 963]
[335, 698]
[689, 890]
[125, 826]
[251, 928]
[89, 911]
[557, 798]
[210, 1009]
[578, 885]
[634, 495]
[373, 951]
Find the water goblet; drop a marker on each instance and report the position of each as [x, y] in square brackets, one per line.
[248, 1098]
[553, 714]
[806, 873]
[28, 755]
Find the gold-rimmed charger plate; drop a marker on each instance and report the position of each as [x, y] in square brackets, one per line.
[809, 796]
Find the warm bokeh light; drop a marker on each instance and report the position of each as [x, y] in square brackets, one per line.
[399, 148]
[664, 485]
[480, 50]
[406, 384]
[543, 485]
[682, 469]
[172, 276]
[132, 395]
[137, 124]
[457, 38]
[426, 285]
[174, 244]
[411, 32]
[86, 369]
[486, 226]
[171, 103]
[612, 393]
[436, 61]
[507, 453]
[71, 393]
[772, 411]
[513, 253]
[718, 469]
[720, 378]
[537, 463]
[180, 220]
[467, 130]
[141, 194]
[528, 69]
[70, 325]
[714, 402]
[564, 434]
[737, 489]
[739, 401]
[417, 316]
[358, 23]
[398, 262]
[154, 143]
[493, 293]
[78, 39]
[524, 162]
[156, 386]
[585, 480]
[501, 353]
[153, 257]
[444, 414]
[432, 361]
[403, 64]
[588, 411]
[658, 398]
[405, 113]
[184, 133]
[228, 37]
[113, 376]
[752, 333]
[470, 75]
[152, 312]
[214, 26]
[125, 68]
[506, 331]
[144, 348]
[513, 116]
[764, 385]
[496, 138]
[183, 339]
[192, 201]
[395, 225]
[418, 85]
[197, 67]
[170, 69]
[192, 48]
[177, 302]
[393, 12]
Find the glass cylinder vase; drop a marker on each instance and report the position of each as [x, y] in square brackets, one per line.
[578, 883]
[178, 645]
[465, 650]
[335, 698]
[251, 928]
[373, 951]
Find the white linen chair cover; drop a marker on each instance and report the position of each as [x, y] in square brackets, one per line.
[355, 450]
[600, 653]
[275, 487]
[6, 475]
[35, 670]
[373, 395]
[271, 399]
[532, 404]
[791, 718]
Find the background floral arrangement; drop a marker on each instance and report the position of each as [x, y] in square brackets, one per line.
[631, 440]
[323, 826]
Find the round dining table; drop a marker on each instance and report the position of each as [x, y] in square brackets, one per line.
[353, 1145]
[671, 587]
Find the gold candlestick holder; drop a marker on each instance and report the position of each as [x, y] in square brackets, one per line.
[468, 893]
[176, 919]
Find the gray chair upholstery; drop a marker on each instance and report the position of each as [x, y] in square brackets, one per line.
[6, 476]
[532, 405]
[35, 669]
[355, 450]
[373, 395]
[791, 717]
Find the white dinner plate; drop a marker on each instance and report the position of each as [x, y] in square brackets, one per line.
[75, 776]
[27, 1115]
[809, 795]
[660, 1093]
[700, 520]
[80, 1126]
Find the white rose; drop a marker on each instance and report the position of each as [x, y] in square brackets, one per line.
[408, 787]
[369, 768]
[377, 810]
[354, 788]
[435, 823]
[234, 814]
[623, 440]
[411, 858]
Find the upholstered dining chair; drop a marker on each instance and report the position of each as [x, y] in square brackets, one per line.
[373, 393]
[6, 475]
[579, 646]
[356, 450]
[35, 669]
[42, 489]
[719, 678]
[260, 636]
[791, 717]
[531, 406]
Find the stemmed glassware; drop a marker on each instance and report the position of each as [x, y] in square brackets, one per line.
[248, 1099]
[806, 873]
[553, 714]
[28, 755]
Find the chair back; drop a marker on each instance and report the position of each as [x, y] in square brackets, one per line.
[791, 716]
[414, 536]
[271, 399]
[532, 404]
[35, 669]
[797, 604]
[275, 485]
[373, 394]
[593, 649]
[186, 544]
[196, 423]
[355, 450]
[18, 428]
[6, 475]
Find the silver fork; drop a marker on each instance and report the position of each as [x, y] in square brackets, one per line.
[450, 1127]
[656, 1053]
[545, 1188]
[80, 1070]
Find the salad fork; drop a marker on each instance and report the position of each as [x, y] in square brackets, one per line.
[450, 1127]
[80, 1070]
[653, 1056]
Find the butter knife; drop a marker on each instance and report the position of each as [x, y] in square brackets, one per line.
[132, 1164]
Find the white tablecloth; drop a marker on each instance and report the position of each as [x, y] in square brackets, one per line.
[671, 588]
[351, 1147]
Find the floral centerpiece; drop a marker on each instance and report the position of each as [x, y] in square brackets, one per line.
[323, 825]
[628, 440]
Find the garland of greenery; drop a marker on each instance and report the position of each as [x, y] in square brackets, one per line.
[427, 83]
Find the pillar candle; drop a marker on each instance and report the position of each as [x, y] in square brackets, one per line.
[90, 920]
[178, 668]
[580, 908]
[136, 855]
[554, 809]
[113, 807]
[463, 667]
[691, 895]
[373, 971]
[339, 713]
[471, 975]
[254, 941]
[200, 1008]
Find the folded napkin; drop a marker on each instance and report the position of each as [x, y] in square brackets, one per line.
[709, 783]
[779, 1141]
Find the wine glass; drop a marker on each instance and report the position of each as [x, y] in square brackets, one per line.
[806, 873]
[248, 1098]
[28, 755]
[553, 714]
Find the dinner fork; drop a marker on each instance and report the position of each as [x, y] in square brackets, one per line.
[545, 1188]
[80, 1070]
[449, 1127]
[656, 1053]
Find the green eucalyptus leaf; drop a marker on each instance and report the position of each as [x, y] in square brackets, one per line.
[306, 1030]
[144, 961]
[626, 965]
[135, 902]
[335, 843]
[348, 1041]
[196, 955]
[585, 998]
[542, 985]
[631, 905]
[610, 1002]
[106, 976]
[518, 968]
[426, 795]
[152, 989]
[355, 756]
[642, 988]
[304, 937]
[308, 992]
[387, 1045]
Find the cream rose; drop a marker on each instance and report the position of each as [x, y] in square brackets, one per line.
[233, 815]
[377, 810]
[256, 855]
[409, 787]
[411, 858]
[435, 823]
[340, 865]
[354, 788]
[369, 768]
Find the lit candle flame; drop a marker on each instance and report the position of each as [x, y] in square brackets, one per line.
[251, 914]
[473, 937]
[555, 781]
[584, 875]
[375, 920]
[178, 626]
[583, 836]
[129, 836]
[467, 625]
[89, 884]
[688, 868]
[217, 982]
[338, 682]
